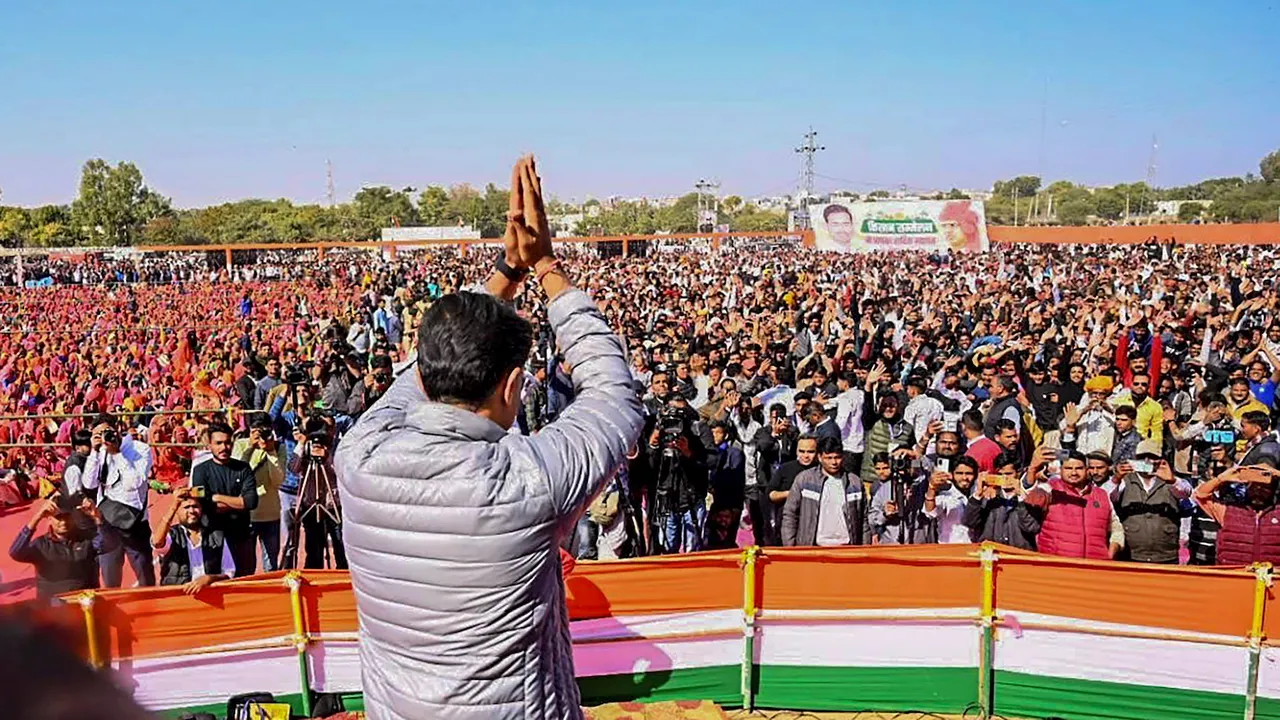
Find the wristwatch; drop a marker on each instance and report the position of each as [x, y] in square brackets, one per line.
[513, 274]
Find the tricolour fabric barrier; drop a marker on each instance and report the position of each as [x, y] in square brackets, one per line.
[934, 628]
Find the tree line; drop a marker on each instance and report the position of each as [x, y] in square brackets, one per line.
[114, 206]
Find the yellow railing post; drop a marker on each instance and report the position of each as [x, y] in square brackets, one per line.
[293, 580]
[986, 665]
[749, 554]
[1262, 581]
[87, 600]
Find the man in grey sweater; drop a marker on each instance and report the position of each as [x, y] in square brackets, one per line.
[453, 524]
[826, 506]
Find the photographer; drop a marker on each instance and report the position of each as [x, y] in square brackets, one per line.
[897, 508]
[192, 554]
[371, 387]
[268, 460]
[230, 494]
[678, 476]
[318, 512]
[344, 383]
[775, 445]
[117, 472]
[997, 513]
[65, 558]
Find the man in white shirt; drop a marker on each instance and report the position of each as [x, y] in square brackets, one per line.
[117, 471]
[921, 410]
[849, 404]
[947, 496]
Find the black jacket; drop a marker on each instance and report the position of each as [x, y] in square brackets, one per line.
[1006, 521]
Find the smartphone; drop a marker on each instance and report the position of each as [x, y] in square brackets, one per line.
[197, 491]
[943, 465]
[1142, 466]
[951, 422]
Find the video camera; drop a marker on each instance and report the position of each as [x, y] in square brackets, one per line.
[672, 424]
[298, 373]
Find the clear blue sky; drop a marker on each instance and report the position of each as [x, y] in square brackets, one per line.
[234, 98]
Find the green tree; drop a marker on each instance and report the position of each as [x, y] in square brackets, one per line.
[1189, 211]
[877, 194]
[753, 219]
[1021, 186]
[433, 206]
[15, 225]
[1075, 211]
[114, 204]
[382, 207]
[956, 194]
[1269, 167]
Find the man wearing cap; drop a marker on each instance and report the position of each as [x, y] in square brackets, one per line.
[66, 557]
[1091, 427]
[1148, 498]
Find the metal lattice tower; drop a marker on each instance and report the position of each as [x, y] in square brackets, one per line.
[807, 151]
[706, 204]
[1151, 177]
[328, 173]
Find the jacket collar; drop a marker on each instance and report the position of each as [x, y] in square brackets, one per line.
[449, 421]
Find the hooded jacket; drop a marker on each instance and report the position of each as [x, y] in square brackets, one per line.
[452, 527]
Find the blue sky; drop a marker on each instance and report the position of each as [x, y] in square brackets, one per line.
[223, 100]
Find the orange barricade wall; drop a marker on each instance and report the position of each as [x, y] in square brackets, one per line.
[980, 630]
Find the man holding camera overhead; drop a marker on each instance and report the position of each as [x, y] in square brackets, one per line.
[117, 471]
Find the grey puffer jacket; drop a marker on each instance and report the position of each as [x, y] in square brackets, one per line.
[453, 526]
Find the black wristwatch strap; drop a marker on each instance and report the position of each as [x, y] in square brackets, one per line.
[510, 273]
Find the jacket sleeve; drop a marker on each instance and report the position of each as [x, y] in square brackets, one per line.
[975, 515]
[791, 516]
[590, 439]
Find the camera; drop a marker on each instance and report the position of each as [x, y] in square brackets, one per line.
[672, 423]
[298, 373]
[110, 436]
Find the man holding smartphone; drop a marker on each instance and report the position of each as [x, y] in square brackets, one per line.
[1147, 498]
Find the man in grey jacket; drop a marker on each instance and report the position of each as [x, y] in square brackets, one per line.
[453, 525]
[826, 506]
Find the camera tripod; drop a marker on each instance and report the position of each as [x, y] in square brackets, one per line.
[318, 510]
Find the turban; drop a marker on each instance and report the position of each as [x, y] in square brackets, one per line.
[1099, 383]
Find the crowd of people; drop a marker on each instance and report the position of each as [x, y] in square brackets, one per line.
[1107, 402]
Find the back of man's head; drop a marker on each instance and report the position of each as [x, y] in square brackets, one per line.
[468, 343]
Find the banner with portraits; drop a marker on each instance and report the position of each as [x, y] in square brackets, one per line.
[928, 225]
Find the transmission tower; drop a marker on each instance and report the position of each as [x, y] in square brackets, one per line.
[807, 150]
[328, 173]
[1151, 176]
[707, 205]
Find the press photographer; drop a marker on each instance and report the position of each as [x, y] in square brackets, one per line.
[318, 512]
[116, 472]
[677, 477]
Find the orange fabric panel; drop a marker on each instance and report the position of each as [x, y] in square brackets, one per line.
[671, 583]
[144, 622]
[1210, 601]
[919, 576]
[328, 603]
[1236, 234]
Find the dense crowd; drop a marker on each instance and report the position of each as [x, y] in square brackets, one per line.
[1101, 402]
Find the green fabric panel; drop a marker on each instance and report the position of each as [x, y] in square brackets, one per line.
[1034, 696]
[893, 689]
[720, 684]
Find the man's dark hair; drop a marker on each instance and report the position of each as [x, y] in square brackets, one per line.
[880, 458]
[104, 419]
[828, 445]
[806, 436]
[966, 461]
[1099, 456]
[1128, 411]
[1005, 424]
[82, 438]
[830, 210]
[972, 420]
[1008, 457]
[1076, 455]
[1239, 381]
[467, 344]
[1257, 417]
[263, 424]
[45, 677]
[778, 409]
[219, 427]
[380, 362]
